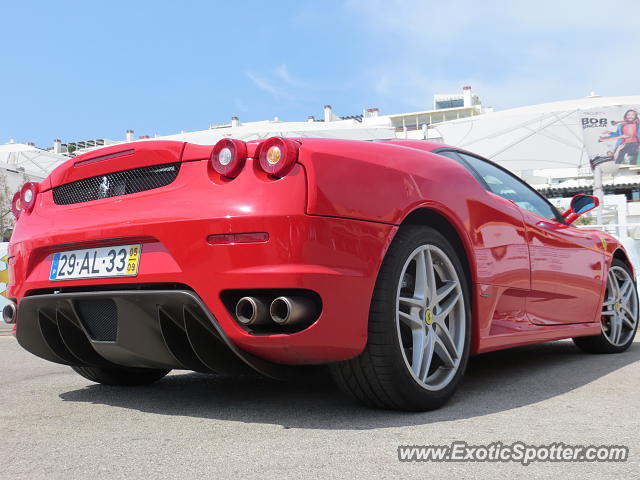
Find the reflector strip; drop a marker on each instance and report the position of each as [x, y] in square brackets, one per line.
[230, 238]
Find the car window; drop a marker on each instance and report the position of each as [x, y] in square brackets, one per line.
[507, 186]
[455, 156]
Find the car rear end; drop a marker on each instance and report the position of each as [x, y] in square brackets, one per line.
[139, 254]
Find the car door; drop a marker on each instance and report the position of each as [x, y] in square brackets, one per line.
[567, 268]
[567, 263]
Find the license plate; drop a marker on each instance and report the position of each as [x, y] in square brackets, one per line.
[115, 261]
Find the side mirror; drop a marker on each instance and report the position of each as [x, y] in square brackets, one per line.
[580, 204]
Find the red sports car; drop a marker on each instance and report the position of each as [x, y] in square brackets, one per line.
[391, 262]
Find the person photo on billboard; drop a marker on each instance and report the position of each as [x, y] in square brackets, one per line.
[626, 136]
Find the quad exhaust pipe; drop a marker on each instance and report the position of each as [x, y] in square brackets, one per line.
[252, 311]
[9, 313]
[291, 310]
[284, 311]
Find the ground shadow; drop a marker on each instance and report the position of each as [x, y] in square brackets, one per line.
[494, 382]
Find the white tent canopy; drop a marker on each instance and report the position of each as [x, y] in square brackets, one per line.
[544, 136]
[349, 129]
[34, 161]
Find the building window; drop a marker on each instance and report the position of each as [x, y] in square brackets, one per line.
[449, 103]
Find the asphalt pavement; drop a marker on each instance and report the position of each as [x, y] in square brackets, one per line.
[55, 424]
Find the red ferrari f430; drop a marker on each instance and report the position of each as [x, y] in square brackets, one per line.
[391, 262]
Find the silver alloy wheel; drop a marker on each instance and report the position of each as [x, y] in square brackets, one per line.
[620, 307]
[431, 317]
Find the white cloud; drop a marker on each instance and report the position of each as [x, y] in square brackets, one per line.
[266, 85]
[281, 83]
[282, 72]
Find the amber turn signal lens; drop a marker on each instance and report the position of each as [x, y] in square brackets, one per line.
[277, 156]
[274, 155]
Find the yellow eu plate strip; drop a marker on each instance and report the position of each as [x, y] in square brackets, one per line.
[134, 260]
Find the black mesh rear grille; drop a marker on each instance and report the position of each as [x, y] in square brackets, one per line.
[116, 183]
[100, 318]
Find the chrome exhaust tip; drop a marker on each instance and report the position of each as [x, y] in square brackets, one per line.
[252, 311]
[9, 313]
[291, 310]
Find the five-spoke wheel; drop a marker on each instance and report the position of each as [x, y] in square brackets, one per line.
[431, 316]
[619, 313]
[419, 326]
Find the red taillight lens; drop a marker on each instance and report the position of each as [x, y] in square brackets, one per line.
[228, 157]
[277, 156]
[16, 205]
[28, 194]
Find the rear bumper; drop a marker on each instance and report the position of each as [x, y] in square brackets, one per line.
[336, 258]
[155, 329]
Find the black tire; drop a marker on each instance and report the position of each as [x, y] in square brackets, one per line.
[121, 376]
[601, 343]
[379, 377]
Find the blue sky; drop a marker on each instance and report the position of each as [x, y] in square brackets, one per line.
[80, 70]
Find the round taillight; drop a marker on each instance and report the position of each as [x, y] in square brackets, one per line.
[28, 194]
[16, 205]
[277, 156]
[228, 157]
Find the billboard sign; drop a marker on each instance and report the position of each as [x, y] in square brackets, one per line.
[611, 135]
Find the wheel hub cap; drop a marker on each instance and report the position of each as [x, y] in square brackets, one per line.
[428, 317]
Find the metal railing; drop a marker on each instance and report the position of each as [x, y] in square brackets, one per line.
[619, 230]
